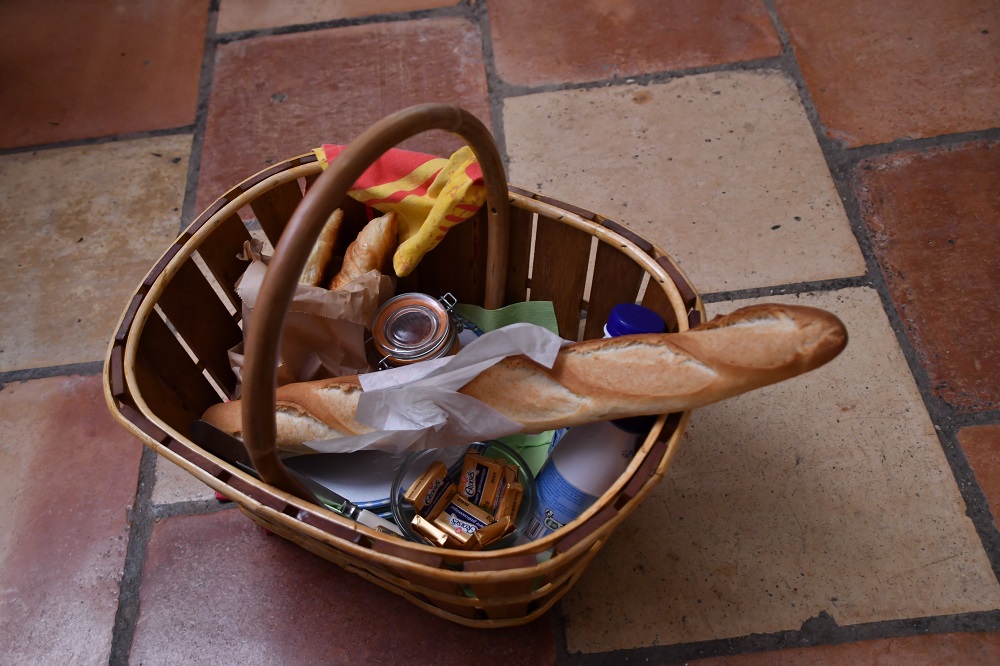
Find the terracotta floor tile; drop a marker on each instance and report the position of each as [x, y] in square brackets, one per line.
[236, 15]
[276, 97]
[174, 484]
[722, 170]
[934, 218]
[829, 492]
[68, 476]
[216, 590]
[880, 71]
[563, 41]
[982, 447]
[966, 649]
[73, 70]
[82, 227]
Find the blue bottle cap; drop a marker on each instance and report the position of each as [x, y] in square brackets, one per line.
[629, 318]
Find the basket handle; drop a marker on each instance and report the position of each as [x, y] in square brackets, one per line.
[295, 244]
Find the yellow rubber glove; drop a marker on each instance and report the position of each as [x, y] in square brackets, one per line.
[430, 195]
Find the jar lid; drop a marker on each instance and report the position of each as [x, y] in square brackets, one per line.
[629, 318]
[411, 327]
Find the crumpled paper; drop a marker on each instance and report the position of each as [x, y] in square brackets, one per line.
[419, 407]
[324, 334]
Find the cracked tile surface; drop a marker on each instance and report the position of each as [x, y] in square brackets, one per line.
[68, 477]
[880, 71]
[260, 84]
[74, 254]
[287, 605]
[608, 39]
[77, 70]
[721, 170]
[934, 220]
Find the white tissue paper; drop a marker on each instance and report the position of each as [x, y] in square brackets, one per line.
[419, 407]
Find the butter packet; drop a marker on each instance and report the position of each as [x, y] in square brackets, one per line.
[460, 519]
[480, 480]
[484, 536]
[431, 491]
[429, 531]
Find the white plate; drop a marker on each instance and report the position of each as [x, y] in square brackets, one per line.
[363, 477]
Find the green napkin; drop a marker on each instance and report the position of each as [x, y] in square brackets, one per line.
[533, 448]
[542, 313]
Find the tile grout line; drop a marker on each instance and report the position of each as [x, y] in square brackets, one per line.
[495, 86]
[952, 140]
[790, 288]
[201, 117]
[201, 507]
[140, 530]
[821, 630]
[458, 9]
[99, 140]
[773, 63]
[87, 368]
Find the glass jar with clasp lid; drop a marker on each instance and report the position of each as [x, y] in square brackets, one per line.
[415, 327]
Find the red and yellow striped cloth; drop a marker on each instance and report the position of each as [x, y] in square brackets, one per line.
[429, 195]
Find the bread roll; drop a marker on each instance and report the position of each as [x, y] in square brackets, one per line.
[322, 251]
[371, 250]
[305, 412]
[595, 380]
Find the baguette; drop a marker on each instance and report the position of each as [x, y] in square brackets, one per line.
[371, 250]
[322, 251]
[597, 380]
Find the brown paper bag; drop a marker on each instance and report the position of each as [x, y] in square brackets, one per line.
[324, 334]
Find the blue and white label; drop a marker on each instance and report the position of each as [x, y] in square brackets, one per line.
[558, 502]
[557, 435]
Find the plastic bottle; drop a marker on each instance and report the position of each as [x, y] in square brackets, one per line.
[586, 460]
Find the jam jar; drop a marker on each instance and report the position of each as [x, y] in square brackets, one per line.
[414, 327]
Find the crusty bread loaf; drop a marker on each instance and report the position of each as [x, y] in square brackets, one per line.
[306, 411]
[322, 251]
[657, 374]
[371, 250]
[597, 380]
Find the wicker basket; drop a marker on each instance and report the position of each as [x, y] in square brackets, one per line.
[168, 360]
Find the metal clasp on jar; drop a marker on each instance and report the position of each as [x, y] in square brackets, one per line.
[414, 327]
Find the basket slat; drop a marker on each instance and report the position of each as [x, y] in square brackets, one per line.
[657, 301]
[559, 272]
[275, 207]
[519, 256]
[204, 322]
[504, 590]
[456, 265]
[171, 384]
[616, 280]
[219, 252]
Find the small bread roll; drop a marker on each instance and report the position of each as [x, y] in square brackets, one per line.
[371, 250]
[322, 251]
